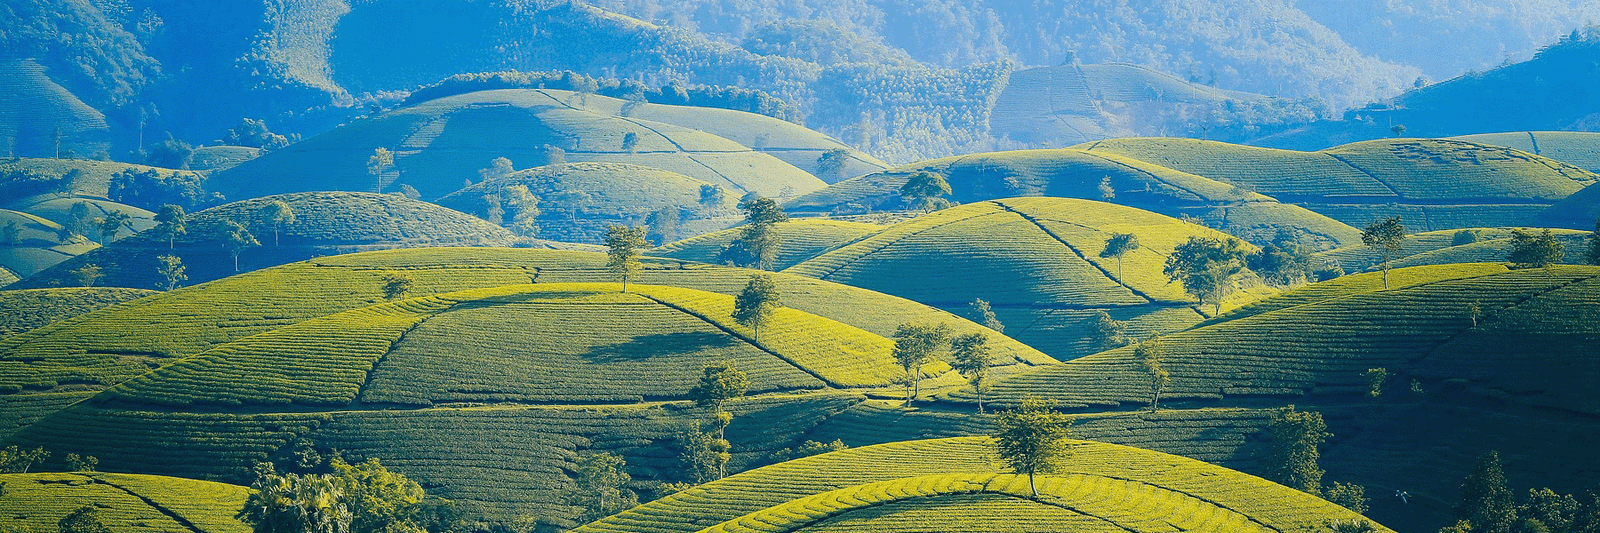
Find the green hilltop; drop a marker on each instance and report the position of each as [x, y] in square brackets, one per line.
[38, 244]
[953, 485]
[802, 239]
[1579, 148]
[124, 502]
[1036, 260]
[33, 108]
[1466, 245]
[324, 223]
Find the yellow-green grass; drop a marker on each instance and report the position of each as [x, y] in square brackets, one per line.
[23, 310]
[108, 346]
[1036, 260]
[38, 244]
[92, 182]
[439, 143]
[802, 239]
[7, 277]
[544, 343]
[1438, 247]
[792, 143]
[1532, 339]
[326, 223]
[124, 502]
[618, 193]
[1072, 173]
[58, 210]
[1579, 211]
[219, 158]
[1434, 183]
[33, 108]
[1579, 148]
[1098, 483]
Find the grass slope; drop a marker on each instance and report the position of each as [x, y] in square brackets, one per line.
[93, 180]
[325, 223]
[1579, 148]
[38, 244]
[23, 310]
[1579, 211]
[1036, 260]
[33, 107]
[1070, 104]
[219, 158]
[1072, 173]
[1434, 184]
[126, 502]
[439, 143]
[1438, 247]
[618, 193]
[802, 239]
[902, 486]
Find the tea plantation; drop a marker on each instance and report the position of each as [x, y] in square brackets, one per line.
[1578, 148]
[23, 310]
[124, 502]
[1468, 245]
[802, 239]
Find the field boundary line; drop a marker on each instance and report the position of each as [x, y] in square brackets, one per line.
[1075, 251]
[1153, 175]
[863, 255]
[373, 372]
[741, 337]
[1489, 315]
[1208, 323]
[1385, 184]
[152, 503]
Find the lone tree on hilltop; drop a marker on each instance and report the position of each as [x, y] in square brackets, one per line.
[170, 223]
[1032, 439]
[1534, 251]
[924, 189]
[1593, 257]
[1153, 358]
[914, 346]
[1118, 245]
[1291, 458]
[381, 161]
[1398, 129]
[982, 313]
[754, 305]
[275, 215]
[1206, 267]
[235, 238]
[524, 220]
[1486, 503]
[719, 383]
[758, 242]
[831, 163]
[623, 245]
[1387, 235]
[171, 270]
[972, 359]
[87, 274]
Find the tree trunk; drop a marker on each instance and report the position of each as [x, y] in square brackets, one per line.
[917, 382]
[1119, 270]
[274, 236]
[236, 262]
[980, 398]
[1031, 486]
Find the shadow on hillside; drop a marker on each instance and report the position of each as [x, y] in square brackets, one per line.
[658, 345]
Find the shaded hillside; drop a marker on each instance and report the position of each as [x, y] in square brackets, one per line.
[23, 310]
[123, 502]
[33, 108]
[325, 223]
[1036, 260]
[1431, 184]
[1472, 245]
[1581, 149]
[954, 484]
[1578, 211]
[442, 143]
[34, 179]
[578, 200]
[38, 246]
[801, 239]
[1072, 173]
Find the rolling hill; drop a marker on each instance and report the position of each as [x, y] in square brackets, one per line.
[1450, 246]
[33, 108]
[1578, 148]
[1433, 184]
[1036, 260]
[612, 193]
[953, 485]
[439, 143]
[1579, 211]
[802, 239]
[325, 223]
[1070, 173]
[38, 244]
[124, 502]
[38, 179]
[23, 310]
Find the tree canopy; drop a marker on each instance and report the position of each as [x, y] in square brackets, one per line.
[623, 247]
[1530, 250]
[1387, 236]
[1031, 439]
[754, 305]
[971, 357]
[914, 346]
[1118, 245]
[1206, 267]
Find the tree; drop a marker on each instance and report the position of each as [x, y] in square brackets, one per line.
[1474, 312]
[85, 519]
[630, 141]
[1534, 251]
[1118, 245]
[663, 224]
[492, 211]
[381, 161]
[275, 214]
[1387, 235]
[971, 357]
[1593, 257]
[1108, 332]
[701, 453]
[235, 239]
[719, 383]
[713, 196]
[112, 223]
[362, 498]
[1485, 501]
[171, 270]
[170, 223]
[1398, 129]
[55, 139]
[1376, 377]
[524, 220]
[78, 218]
[622, 251]
[922, 191]
[14, 460]
[1032, 439]
[1206, 267]
[914, 346]
[982, 313]
[1292, 441]
[86, 274]
[572, 201]
[600, 487]
[397, 285]
[1107, 192]
[499, 168]
[1153, 359]
[1348, 495]
[754, 305]
[831, 164]
[81, 463]
[10, 235]
[758, 242]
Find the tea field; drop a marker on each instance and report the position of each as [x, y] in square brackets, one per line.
[124, 502]
[801, 239]
[23, 310]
